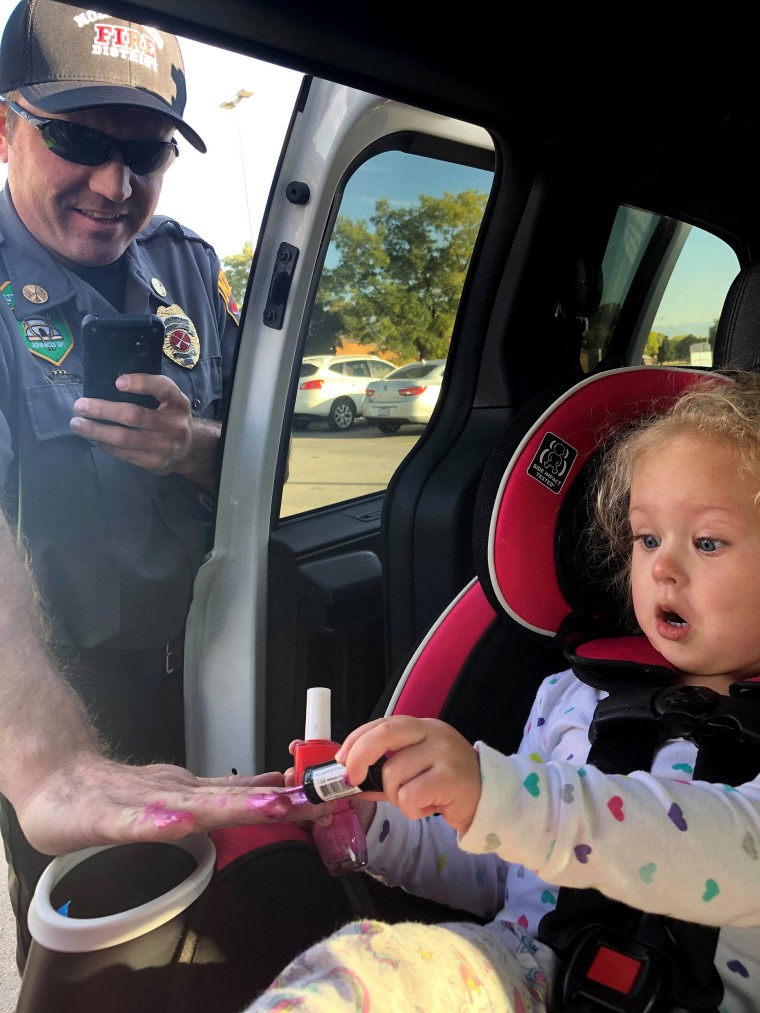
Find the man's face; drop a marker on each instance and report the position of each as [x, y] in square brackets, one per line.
[85, 214]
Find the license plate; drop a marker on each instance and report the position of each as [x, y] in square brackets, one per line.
[383, 411]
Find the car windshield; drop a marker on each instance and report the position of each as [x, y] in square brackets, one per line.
[415, 371]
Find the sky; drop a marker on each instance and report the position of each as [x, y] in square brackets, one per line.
[207, 193]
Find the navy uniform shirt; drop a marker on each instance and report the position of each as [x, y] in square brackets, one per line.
[114, 548]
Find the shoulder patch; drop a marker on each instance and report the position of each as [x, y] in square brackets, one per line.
[227, 297]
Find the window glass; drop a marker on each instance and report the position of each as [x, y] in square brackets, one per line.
[669, 277]
[388, 296]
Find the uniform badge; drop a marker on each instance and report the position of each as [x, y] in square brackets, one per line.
[181, 343]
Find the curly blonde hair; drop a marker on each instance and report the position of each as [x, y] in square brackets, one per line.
[711, 408]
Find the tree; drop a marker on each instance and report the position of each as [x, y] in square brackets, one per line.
[683, 346]
[399, 276]
[667, 350]
[237, 267]
[654, 341]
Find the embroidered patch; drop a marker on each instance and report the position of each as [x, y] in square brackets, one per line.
[225, 292]
[181, 343]
[47, 336]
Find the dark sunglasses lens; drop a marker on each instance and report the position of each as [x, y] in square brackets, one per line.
[76, 143]
[143, 157]
[90, 147]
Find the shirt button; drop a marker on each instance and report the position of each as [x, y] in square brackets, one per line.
[196, 404]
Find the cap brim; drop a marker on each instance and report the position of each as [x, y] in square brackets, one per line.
[54, 97]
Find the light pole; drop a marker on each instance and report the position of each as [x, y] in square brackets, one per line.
[233, 104]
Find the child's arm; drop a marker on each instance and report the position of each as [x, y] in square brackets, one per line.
[423, 857]
[689, 850]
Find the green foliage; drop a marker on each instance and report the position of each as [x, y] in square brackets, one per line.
[399, 277]
[652, 347]
[683, 347]
[712, 332]
[237, 267]
[667, 350]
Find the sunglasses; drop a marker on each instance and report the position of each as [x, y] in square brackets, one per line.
[86, 146]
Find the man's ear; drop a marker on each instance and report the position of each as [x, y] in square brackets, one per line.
[3, 132]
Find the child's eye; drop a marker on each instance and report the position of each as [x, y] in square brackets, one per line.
[708, 544]
[648, 541]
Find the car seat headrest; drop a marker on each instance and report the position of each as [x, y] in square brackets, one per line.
[737, 339]
[522, 555]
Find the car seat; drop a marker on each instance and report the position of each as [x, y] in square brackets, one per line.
[530, 608]
[526, 602]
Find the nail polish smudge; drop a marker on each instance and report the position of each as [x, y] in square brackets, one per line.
[160, 816]
[271, 806]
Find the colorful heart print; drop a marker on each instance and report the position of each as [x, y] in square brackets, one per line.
[582, 851]
[646, 872]
[676, 817]
[615, 806]
[531, 785]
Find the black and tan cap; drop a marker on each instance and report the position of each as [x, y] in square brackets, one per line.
[61, 58]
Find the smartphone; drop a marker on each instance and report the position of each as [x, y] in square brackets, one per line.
[127, 343]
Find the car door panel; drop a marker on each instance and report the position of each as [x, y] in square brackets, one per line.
[260, 600]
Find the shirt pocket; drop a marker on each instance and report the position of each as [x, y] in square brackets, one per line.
[202, 384]
[51, 408]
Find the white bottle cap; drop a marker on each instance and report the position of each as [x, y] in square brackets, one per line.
[318, 720]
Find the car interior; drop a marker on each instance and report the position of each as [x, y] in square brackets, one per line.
[602, 179]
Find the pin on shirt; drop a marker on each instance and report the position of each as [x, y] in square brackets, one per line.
[35, 294]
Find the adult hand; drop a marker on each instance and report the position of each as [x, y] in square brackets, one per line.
[431, 768]
[161, 440]
[91, 800]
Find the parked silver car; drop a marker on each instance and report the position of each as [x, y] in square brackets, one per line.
[408, 394]
[331, 387]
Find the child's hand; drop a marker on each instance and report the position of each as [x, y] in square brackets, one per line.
[431, 769]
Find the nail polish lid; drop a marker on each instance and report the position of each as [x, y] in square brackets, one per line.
[318, 717]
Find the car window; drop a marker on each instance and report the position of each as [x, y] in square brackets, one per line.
[405, 197]
[675, 321]
[686, 286]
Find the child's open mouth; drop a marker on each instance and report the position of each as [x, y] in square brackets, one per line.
[670, 624]
[674, 619]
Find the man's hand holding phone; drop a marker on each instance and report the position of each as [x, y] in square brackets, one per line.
[129, 409]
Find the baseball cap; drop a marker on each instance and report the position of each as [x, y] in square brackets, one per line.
[62, 58]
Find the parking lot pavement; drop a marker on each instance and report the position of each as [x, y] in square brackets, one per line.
[9, 978]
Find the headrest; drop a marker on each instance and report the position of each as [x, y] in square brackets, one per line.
[521, 575]
[737, 339]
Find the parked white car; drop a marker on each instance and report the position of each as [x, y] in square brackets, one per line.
[331, 388]
[408, 394]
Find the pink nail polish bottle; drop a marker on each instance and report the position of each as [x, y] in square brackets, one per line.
[342, 844]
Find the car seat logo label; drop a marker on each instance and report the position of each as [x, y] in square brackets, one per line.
[553, 462]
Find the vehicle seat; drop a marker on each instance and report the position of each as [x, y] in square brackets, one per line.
[737, 342]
